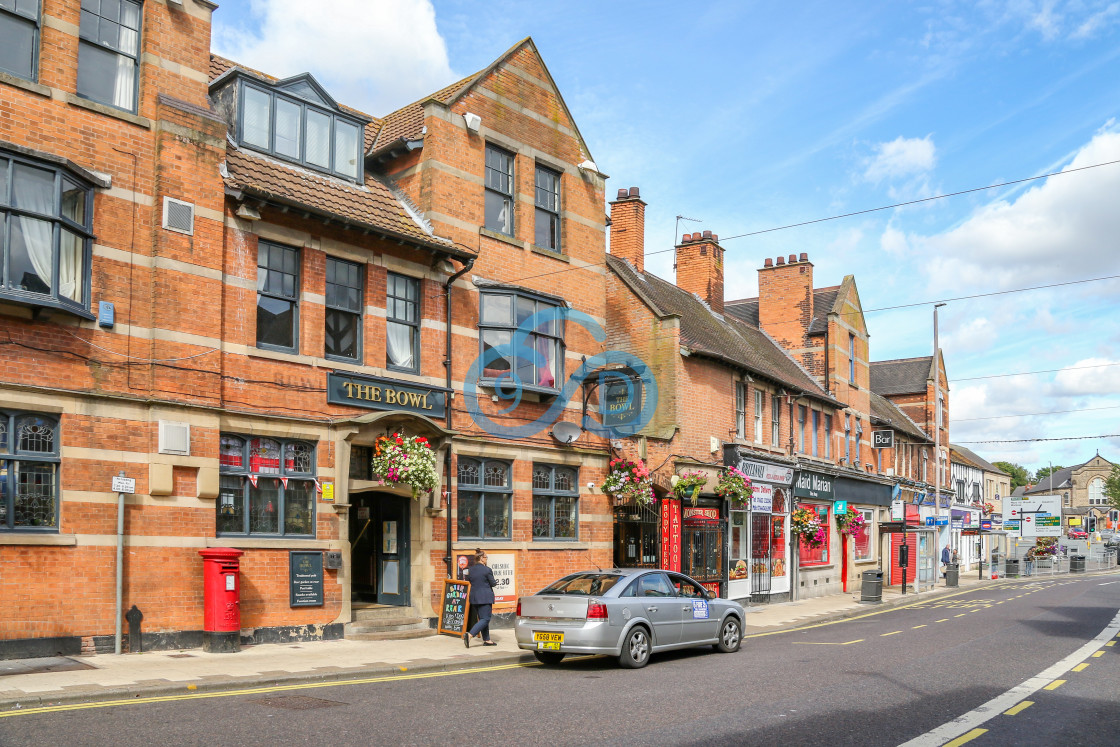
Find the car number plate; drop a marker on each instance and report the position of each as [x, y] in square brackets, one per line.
[556, 638]
[548, 645]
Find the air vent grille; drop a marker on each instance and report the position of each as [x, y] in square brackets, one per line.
[178, 215]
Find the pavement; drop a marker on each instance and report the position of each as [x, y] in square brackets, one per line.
[32, 683]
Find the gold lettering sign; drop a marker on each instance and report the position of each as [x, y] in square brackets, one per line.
[383, 395]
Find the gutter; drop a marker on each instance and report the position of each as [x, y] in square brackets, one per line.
[447, 365]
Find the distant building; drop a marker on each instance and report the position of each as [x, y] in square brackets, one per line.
[1084, 504]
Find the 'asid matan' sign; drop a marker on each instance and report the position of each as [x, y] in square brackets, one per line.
[813, 485]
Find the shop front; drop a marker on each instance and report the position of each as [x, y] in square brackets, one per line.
[819, 567]
[758, 537]
[869, 498]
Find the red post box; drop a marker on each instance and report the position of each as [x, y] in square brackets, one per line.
[221, 587]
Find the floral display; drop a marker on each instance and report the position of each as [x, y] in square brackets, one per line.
[406, 459]
[735, 486]
[805, 525]
[688, 485]
[629, 481]
[988, 508]
[851, 522]
[1045, 547]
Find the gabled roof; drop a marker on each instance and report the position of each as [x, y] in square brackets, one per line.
[824, 302]
[901, 376]
[968, 456]
[706, 333]
[407, 122]
[885, 412]
[1063, 478]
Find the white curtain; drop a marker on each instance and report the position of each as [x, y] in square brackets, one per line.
[70, 267]
[124, 86]
[399, 340]
[37, 240]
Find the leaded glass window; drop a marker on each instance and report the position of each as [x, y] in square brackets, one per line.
[485, 500]
[267, 487]
[29, 463]
[555, 502]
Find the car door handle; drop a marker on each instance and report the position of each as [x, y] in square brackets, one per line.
[651, 609]
[687, 608]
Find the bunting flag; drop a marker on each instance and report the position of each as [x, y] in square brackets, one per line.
[318, 485]
[253, 479]
[284, 481]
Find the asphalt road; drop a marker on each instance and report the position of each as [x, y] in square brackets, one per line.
[881, 679]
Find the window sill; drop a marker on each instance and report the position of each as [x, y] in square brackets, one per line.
[41, 308]
[549, 253]
[38, 538]
[502, 237]
[108, 111]
[26, 85]
[274, 543]
[541, 393]
[816, 566]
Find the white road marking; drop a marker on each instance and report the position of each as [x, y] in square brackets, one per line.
[964, 724]
[1109, 582]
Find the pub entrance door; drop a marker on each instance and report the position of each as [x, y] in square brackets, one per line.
[380, 554]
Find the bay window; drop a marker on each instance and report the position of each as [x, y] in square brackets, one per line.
[537, 362]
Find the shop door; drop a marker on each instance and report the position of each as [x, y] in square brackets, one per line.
[635, 537]
[363, 555]
[702, 553]
[393, 556]
[926, 559]
[761, 549]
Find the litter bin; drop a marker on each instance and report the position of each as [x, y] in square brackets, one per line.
[221, 587]
[952, 574]
[1076, 563]
[871, 589]
[1011, 568]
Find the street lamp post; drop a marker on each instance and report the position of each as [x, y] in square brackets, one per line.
[937, 415]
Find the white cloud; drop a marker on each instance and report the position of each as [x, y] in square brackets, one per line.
[375, 55]
[901, 157]
[1098, 22]
[1088, 377]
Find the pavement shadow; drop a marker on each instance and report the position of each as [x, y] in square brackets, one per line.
[1076, 621]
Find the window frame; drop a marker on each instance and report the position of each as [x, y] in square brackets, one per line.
[360, 313]
[389, 319]
[869, 531]
[36, 21]
[1099, 499]
[511, 328]
[135, 58]
[851, 358]
[776, 420]
[759, 415]
[58, 222]
[275, 95]
[801, 418]
[740, 410]
[847, 438]
[294, 299]
[245, 470]
[859, 438]
[815, 417]
[556, 213]
[483, 490]
[550, 494]
[509, 197]
[12, 455]
[827, 436]
[824, 515]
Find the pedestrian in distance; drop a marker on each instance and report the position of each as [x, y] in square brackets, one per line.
[481, 598]
[945, 558]
[1028, 563]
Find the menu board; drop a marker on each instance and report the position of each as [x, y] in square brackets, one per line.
[305, 578]
[454, 607]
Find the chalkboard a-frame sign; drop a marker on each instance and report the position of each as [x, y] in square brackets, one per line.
[456, 604]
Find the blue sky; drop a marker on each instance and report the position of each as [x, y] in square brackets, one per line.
[755, 115]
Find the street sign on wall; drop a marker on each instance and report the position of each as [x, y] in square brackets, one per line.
[1038, 515]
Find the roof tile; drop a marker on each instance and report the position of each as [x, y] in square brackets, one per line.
[903, 376]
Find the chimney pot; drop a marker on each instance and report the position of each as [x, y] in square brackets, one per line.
[686, 238]
[768, 263]
[707, 234]
[715, 237]
[634, 192]
[780, 260]
[804, 257]
[792, 258]
[622, 193]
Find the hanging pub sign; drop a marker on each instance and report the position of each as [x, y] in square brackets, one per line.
[621, 397]
[813, 485]
[371, 392]
[882, 439]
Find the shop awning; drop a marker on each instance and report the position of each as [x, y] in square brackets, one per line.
[862, 491]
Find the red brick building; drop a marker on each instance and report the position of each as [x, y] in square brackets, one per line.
[228, 286]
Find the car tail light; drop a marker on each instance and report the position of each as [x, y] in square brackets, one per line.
[519, 608]
[596, 611]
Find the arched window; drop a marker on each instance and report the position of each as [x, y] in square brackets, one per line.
[29, 446]
[1096, 492]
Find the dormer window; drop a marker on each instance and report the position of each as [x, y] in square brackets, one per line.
[297, 121]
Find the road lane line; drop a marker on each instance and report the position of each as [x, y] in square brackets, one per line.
[1111, 643]
[917, 626]
[963, 724]
[966, 737]
[1019, 708]
[884, 635]
[1098, 655]
[826, 643]
[961, 614]
[1081, 667]
[944, 619]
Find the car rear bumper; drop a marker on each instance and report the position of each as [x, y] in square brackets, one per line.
[596, 637]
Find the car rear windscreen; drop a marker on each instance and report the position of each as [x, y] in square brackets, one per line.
[585, 584]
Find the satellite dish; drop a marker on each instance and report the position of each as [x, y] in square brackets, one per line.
[566, 432]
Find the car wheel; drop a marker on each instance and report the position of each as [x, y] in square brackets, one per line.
[730, 636]
[635, 650]
[548, 658]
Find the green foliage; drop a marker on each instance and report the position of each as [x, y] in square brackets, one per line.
[1112, 487]
[1019, 474]
[1044, 472]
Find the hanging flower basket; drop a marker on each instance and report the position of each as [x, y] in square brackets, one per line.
[629, 481]
[406, 459]
[851, 522]
[805, 525]
[988, 508]
[735, 487]
[689, 485]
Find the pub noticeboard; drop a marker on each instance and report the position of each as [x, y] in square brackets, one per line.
[305, 578]
[454, 607]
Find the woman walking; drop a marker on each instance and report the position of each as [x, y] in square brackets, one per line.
[482, 582]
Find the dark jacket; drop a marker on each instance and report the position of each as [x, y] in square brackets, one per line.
[482, 583]
[945, 555]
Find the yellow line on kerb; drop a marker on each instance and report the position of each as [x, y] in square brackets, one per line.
[1081, 667]
[259, 690]
[966, 737]
[1054, 685]
[1018, 708]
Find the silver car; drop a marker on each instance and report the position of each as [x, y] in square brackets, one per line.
[625, 613]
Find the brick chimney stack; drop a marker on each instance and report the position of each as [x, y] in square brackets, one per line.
[628, 228]
[700, 267]
[785, 300]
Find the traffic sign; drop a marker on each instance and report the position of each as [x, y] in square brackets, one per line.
[1036, 515]
[124, 484]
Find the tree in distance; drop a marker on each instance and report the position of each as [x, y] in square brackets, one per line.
[1044, 472]
[1020, 476]
[1112, 487]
